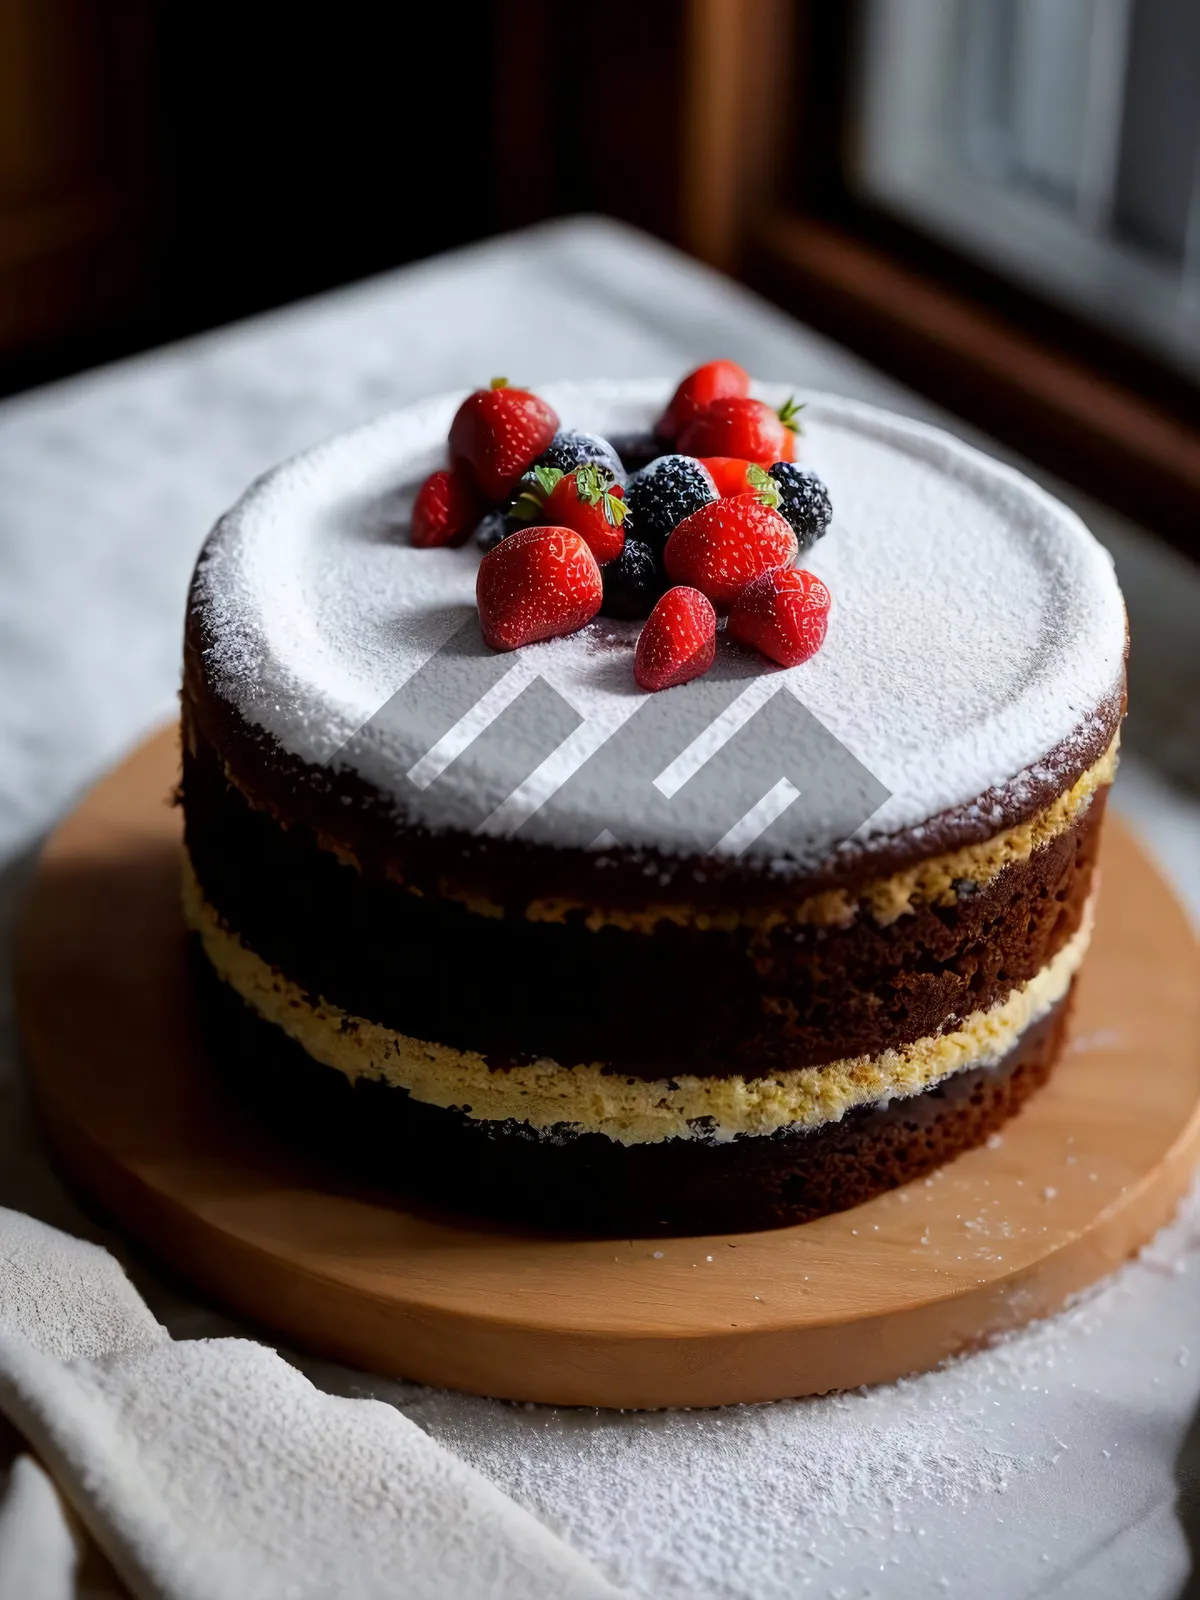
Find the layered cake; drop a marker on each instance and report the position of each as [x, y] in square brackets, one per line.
[711, 864]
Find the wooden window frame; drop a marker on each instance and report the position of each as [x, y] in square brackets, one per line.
[766, 112]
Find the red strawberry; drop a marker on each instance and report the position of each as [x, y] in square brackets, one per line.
[735, 476]
[588, 499]
[536, 584]
[728, 473]
[713, 381]
[445, 511]
[783, 613]
[739, 426]
[721, 547]
[495, 435]
[678, 641]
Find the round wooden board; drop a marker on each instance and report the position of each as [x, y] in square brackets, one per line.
[1079, 1180]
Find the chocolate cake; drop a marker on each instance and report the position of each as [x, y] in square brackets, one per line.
[501, 929]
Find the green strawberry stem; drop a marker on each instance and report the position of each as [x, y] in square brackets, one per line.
[614, 510]
[531, 502]
[789, 414]
[499, 383]
[594, 486]
[589, 485]
[766, 490]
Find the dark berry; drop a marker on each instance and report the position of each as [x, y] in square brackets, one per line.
[661, 495]
[633, 582]
[493, 528]
[571, 448]
[803, 500]
[517, 512]
[637, 450]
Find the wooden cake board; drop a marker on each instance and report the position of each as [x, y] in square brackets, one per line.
[1081, 1178]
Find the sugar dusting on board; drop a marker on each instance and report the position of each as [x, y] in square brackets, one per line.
[976, 624]
[870, 1490]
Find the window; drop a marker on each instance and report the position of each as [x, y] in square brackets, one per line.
[1058, 141]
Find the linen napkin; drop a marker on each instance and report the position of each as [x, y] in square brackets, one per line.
[210, 1468]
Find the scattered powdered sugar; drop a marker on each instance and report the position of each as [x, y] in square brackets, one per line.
[976, 624]
[974, 1472]
[791, 1475]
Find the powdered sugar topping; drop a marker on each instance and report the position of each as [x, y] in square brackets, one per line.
[976, 625]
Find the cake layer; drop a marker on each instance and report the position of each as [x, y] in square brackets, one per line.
[378, 1134]
[753, 989]
[973, 670]
[547, 1097]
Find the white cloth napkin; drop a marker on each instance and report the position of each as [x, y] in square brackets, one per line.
[207, 1469]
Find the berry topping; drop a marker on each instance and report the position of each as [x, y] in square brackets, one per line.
[743, 427]
[734, 476]
[587, 499]
[803, 500]
[445, 511]
[728, 473]
[636, 450]
[571, 448]
[633, 582]
[721, 547]
[496, 434]
[496, 525]
[783, 613]
[678, 642]
[536, 584]
[661, 495]
[715, 380]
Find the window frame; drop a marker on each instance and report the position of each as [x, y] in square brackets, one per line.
[1087, 404]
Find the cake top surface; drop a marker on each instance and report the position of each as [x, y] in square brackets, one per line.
[976, 628]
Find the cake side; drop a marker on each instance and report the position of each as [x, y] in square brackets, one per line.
[751, 987]
[380, 1135]
[510, 907]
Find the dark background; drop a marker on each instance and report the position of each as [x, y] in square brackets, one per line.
[169, 167]
[176, 166]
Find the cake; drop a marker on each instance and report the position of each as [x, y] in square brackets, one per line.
[508, 933]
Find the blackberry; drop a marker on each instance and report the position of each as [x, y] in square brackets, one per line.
[632, 583]
[803, 500]
[490, 530]
[518, 512]
[571, 448]
[662, 494]
[637, 450]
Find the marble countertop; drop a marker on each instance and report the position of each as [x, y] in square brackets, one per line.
[108, 483]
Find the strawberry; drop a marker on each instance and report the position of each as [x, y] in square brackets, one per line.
[536, 584]
[445, 511]
[783, 613]
[678, 641]
[496, 434]
[739, 426]
[735, 476]
[721, 547]
[728, 473]
[587, 499]
[713, 381]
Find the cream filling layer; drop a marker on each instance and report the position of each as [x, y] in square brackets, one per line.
[591, 1098]
[930, 882]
